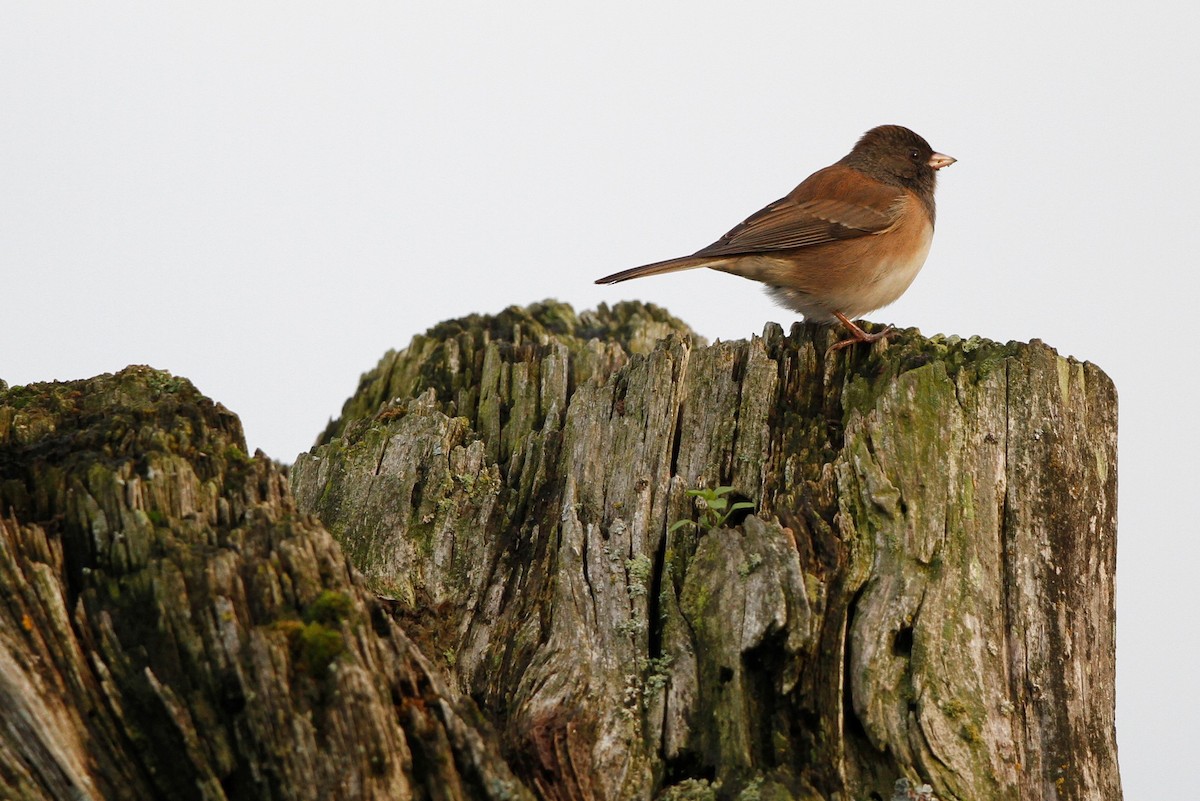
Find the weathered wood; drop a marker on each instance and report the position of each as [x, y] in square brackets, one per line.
[171, 628]
[924, 589]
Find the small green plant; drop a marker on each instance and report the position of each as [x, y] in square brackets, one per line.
[714, 508]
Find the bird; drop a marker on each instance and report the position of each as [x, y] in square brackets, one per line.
[848, 240]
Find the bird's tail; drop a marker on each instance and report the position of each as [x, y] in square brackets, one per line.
[668, 266]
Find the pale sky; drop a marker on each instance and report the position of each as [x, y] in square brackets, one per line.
[265, 197]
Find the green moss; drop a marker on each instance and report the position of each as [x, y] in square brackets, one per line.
[314, 645]
[18, 397]
[954, 709]
[290, 628]
[235, 455]
[966, 498]
[164, 382]
[971, 360]
[319, 646]
[420, 533]
[468, 482]
[396, 588]
[329, 608]
[478, 485]
[447, 358]
[316, 640]
[694, 605]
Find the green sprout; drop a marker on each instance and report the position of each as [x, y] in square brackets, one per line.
[714, 508]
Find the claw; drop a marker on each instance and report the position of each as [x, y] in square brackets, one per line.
[858, 335]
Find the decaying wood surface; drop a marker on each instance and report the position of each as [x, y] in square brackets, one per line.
[171, 628]
[924, 589]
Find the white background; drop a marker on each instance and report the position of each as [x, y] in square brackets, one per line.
[264, 198]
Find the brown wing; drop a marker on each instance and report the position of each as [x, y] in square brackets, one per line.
[834, 203]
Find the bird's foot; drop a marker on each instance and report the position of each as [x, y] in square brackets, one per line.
[858, 335]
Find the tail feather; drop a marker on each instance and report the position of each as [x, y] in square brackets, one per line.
[658, 267]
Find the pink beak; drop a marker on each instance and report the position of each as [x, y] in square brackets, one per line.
[939, 160]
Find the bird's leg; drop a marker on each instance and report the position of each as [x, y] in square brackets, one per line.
[857, 334]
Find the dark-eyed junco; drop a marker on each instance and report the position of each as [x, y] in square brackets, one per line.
[846, 241]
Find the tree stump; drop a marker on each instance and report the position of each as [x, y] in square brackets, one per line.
[922, 590]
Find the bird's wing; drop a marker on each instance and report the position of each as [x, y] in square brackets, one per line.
[834, 203]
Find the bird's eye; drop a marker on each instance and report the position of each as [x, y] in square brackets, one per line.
[914, 154]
